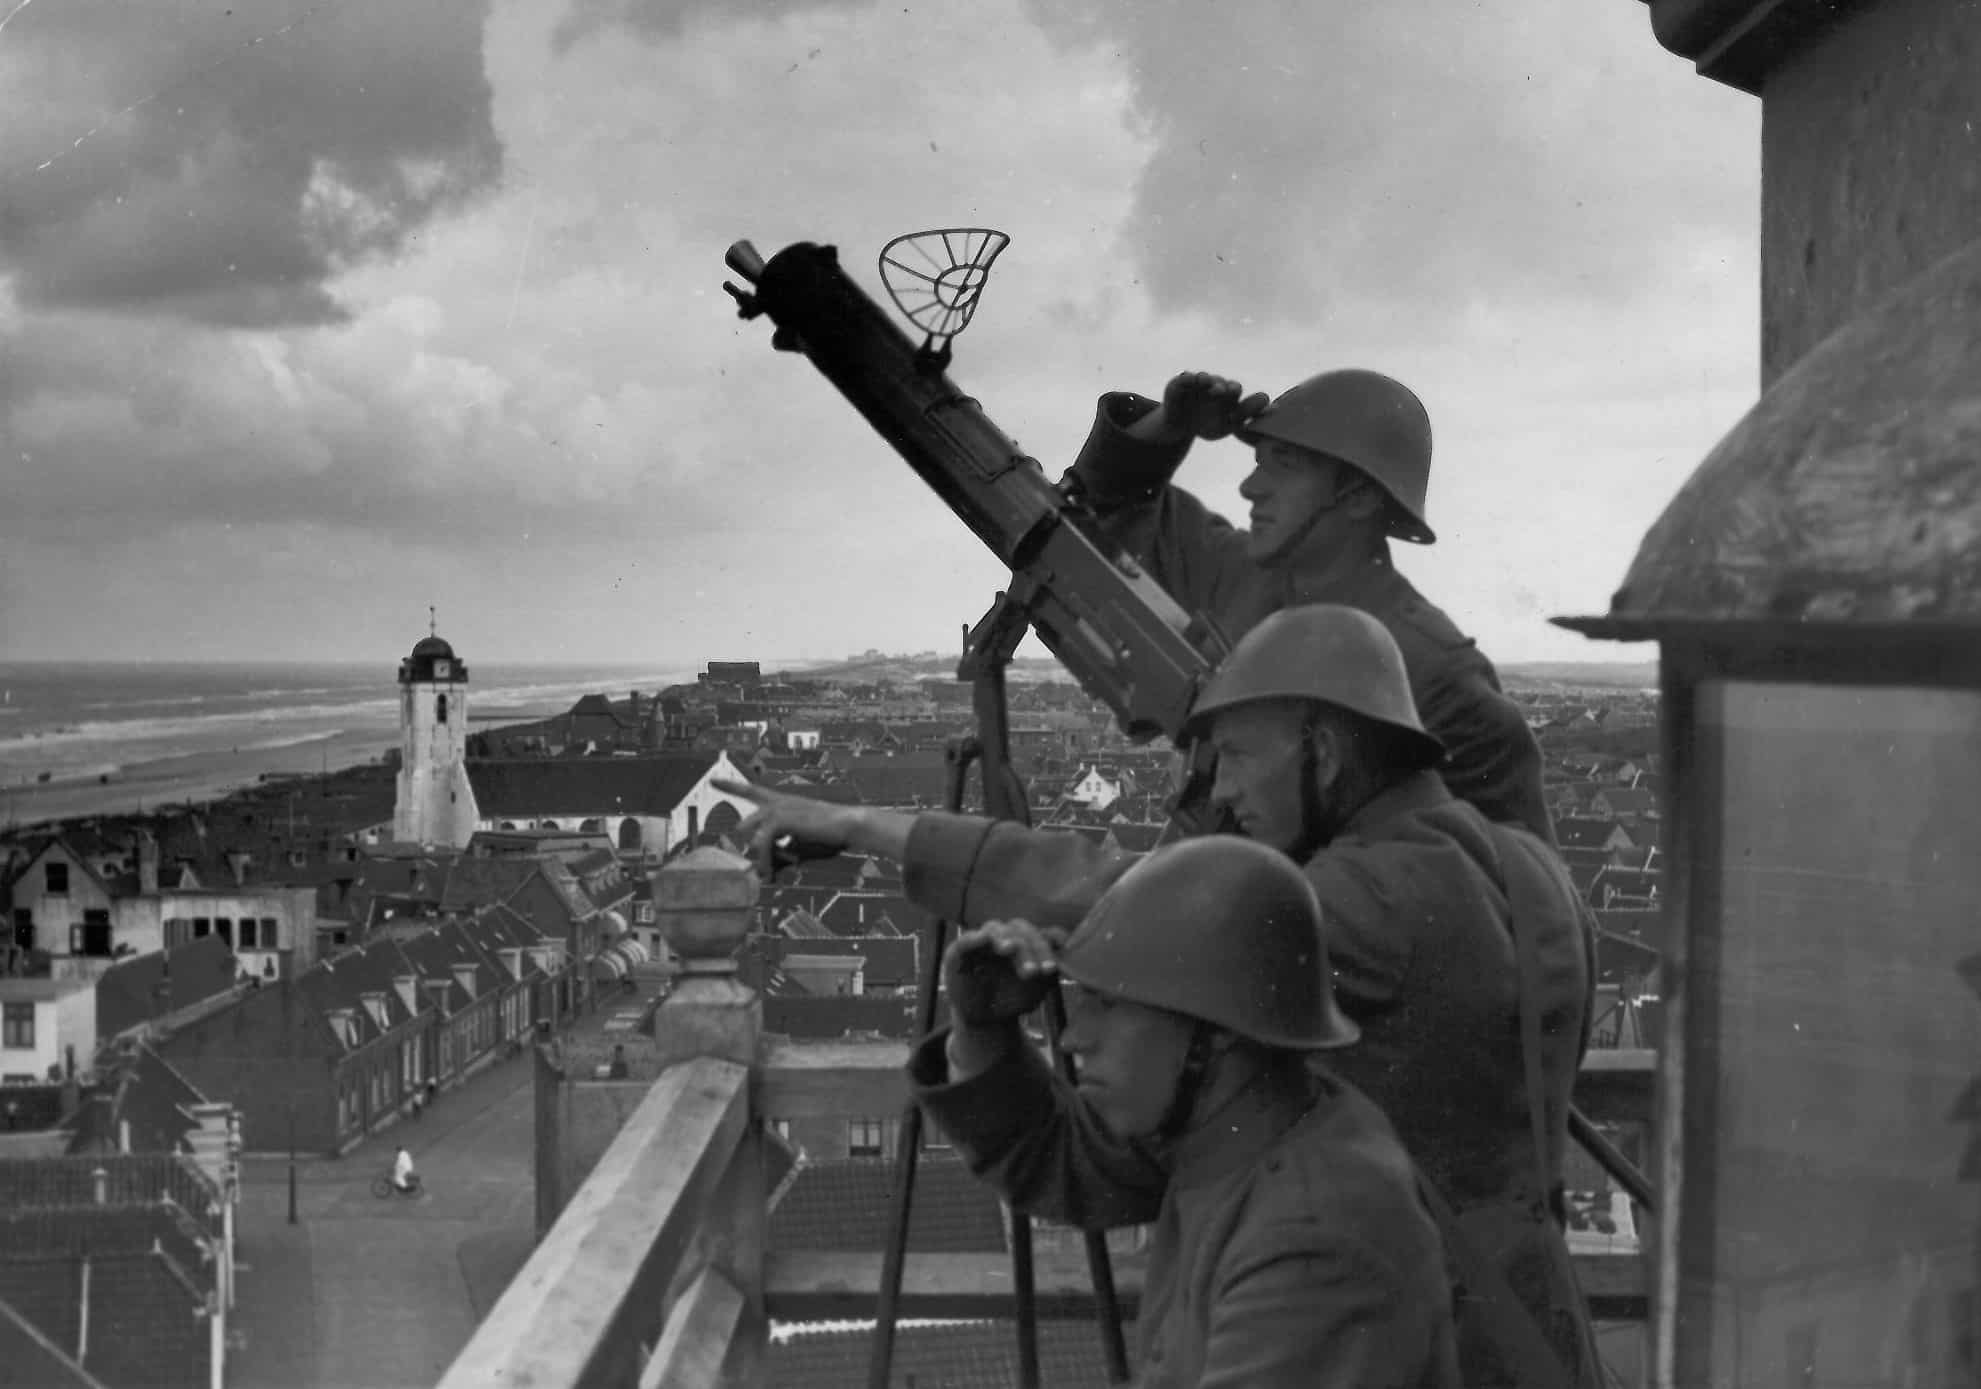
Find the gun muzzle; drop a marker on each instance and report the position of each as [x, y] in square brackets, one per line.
[742, 257]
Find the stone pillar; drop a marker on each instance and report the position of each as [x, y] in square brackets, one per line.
[1870, 165]
[703, 902]
[702, 905]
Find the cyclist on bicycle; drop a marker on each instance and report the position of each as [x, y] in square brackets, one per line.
[403, 1175]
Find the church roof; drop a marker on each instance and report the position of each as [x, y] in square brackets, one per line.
[652, 785]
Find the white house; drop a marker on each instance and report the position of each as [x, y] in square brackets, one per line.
[47, 1029]
[1095, 789]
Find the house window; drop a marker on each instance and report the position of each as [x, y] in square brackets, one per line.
[202, 927]
[268, 937]
[870, 1138]
[248, 936]
[24, 928]
[440, 709]
[223, 926]
[17, 1027]
[643, 912]
[56, 878]
[96, 932]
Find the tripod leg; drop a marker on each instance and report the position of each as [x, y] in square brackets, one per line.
[908, 1147]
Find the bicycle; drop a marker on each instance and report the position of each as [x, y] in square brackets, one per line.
[383, 1186]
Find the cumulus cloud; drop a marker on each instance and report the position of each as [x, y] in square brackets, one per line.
[1426, 154]
[364, 368]
[223, 164]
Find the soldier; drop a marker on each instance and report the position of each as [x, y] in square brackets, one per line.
[1343, 463]
[1289, 1246]
[1459, 946]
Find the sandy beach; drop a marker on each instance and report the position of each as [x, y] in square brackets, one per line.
[195, 778]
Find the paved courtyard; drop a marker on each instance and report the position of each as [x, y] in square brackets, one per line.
[366, 1293]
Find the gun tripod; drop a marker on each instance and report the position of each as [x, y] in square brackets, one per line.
[987, 652]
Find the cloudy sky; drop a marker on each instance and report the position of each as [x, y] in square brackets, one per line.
[315, 312]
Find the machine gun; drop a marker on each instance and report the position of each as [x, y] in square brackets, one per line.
[1119, 632]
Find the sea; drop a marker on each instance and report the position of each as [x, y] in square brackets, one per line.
[98, 738]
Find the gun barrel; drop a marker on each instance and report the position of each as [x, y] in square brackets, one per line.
[742, 257]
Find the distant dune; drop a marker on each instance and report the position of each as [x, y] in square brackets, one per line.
[906, 669]
[1628, 675]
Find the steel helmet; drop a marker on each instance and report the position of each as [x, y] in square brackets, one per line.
[1220, 929]
[1325, 652]
[1367, 420]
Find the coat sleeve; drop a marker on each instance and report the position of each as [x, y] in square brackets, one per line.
[1024, 1131]
[1329, 1313]
[1198, 556]
[972, 870]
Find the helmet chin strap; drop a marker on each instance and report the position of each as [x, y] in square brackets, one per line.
[1189, 1084]
[1313, 826]
[1290, 546]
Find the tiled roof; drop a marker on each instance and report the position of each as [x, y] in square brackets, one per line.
[844, 1204]
[481, 882]
[141, 988]
[832, 792]
[145, 1092]
[651, 785]
[890, 960]
[880, 782]
[129, 1179]
[1582, 832]
[33, 1358]
[869, 914]
[143, 1329]
[972, 1355]
[1136, 839]
[76, 1230]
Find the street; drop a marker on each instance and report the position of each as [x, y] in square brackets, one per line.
[370, 1293]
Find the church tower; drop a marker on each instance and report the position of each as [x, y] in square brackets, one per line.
[434, 804]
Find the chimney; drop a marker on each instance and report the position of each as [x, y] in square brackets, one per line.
[147, 856]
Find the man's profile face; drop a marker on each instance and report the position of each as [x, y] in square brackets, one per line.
[1260, 760]
[1286, 488]
[1127, 1058]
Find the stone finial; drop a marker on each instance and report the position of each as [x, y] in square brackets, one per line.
[702, 903]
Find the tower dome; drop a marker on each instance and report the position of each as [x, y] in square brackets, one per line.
[432, 660]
